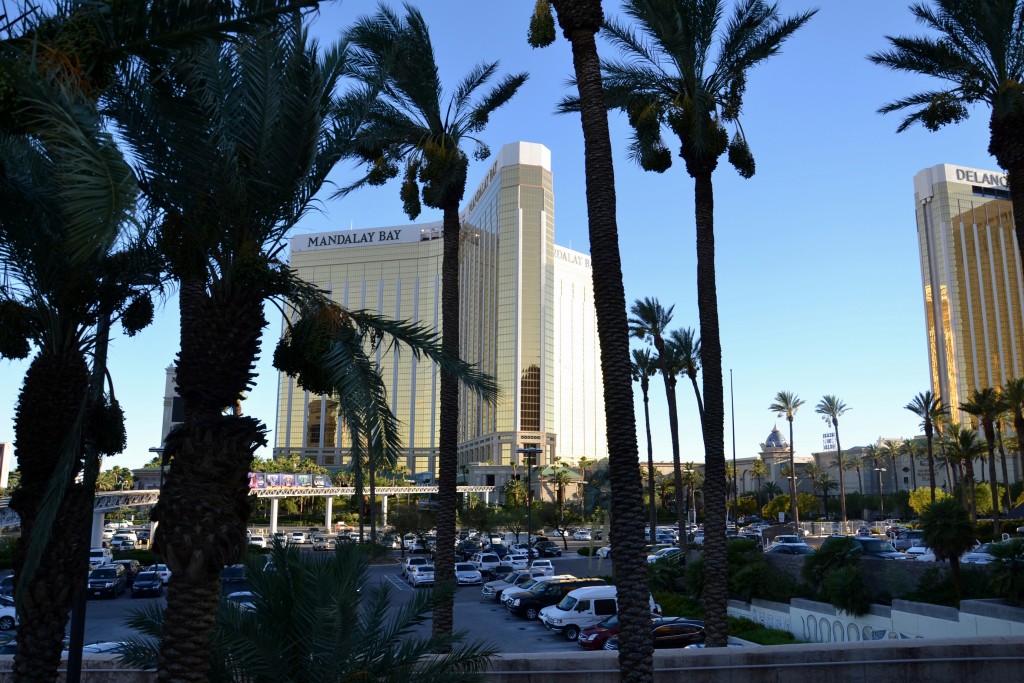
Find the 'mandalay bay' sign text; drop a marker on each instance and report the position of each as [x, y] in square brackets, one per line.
[357, 238]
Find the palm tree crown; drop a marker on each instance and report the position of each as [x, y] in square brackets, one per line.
[831, 409]
[929, 408]
[785, 405]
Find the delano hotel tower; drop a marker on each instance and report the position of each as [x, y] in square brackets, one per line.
[527, 318]
[973, 285]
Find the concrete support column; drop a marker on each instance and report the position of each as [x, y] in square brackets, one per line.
[384, 510]
[328, 522]
[97, 530]
[152, 532]
[273, 515]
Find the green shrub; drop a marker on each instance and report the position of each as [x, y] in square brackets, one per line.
[846, 589]
[665, 574]
[584, 551]
[677, 605]
[7, 552]
[756, 633]
[145, 557]
[1007, 571]
[764, 581]
[835, 553]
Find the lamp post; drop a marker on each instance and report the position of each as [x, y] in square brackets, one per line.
[530, 452]
[881, 502]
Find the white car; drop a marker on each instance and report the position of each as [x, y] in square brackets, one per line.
[581, 535]
[298, 537]
[466, 574]
[161, 570]
[422, 575]
[921, 553]
[410, 562]
[603, 552]
[258, 541]
[980, 555]
[546, 565]
[518, 561]
[321, 542]
[8, 615]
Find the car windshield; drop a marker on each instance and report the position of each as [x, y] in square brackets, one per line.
[568, 602]
[985, 548]
[610, 622]
[146, 576]
[511, 577]
[465, 567]
[104, 574]
[875, 546]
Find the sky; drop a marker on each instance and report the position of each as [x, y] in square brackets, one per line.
[819, 283]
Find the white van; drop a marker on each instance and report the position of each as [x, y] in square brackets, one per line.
[584, 607]
[99, 556]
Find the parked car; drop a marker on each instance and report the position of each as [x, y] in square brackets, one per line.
[466, 574]
[298, 538]
[234, 573]
[603, 551]
[7, 585]
[864, 531]
[517, 561]
[583, 607]
[791, 549]
[8, 615]
[411, 562]
[422, 575]
[921, 553]
[594, 637]
[788, 539]
[162, 571]
[547, 549]
[147, 583]
[244, 600]
[258, 541]
[669, 632]
[280, 537]
[581, 535]
[878, 549]
[528, 604]
[980, 555]
[515, 579]
[486, 562]
[109, 580]
[321, 542]
[131, 569]
[662, 554]
[123, 541]
[545, 565]
[99, 556]
[907, 539]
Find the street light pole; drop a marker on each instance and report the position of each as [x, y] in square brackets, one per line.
[881, 501]
[530, 452]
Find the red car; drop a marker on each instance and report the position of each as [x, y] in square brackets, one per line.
[594, 637]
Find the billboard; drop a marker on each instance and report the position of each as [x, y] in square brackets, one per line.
[275, 480]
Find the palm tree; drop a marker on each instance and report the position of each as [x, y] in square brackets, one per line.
[514, 491]
[672, 362]
[826, 484]
[831, 409]
[893, 450]
[232, 143]
[1013, 394]
[987, 405]
[771, 489]
[758, 470]
[643, 368]
[580, 20]
[785, 405]
[694, 99]
[963, 448]
[977, 54]
[687, 345]
[949, 532]
[1002, 459]
[927, 407]
[913, 449]
[411, 124]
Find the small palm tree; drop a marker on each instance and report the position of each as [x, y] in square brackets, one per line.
[785, 405]
[928, 407]
[987, 405]
[976, 51]
[687, 345]
[412, 125]
[1013, 394]
[643, 368]
[963, 448]
[758, 470]
[317, 619]
[831, 409]
[949, 532]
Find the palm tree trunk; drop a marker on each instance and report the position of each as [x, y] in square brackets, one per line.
[650, 466]
[716, 586]
[842, 478]
[580, 21]
[677, 466]
[860, 482]
[991, 439]
[895, 476]
[1006, 474]
[931, 466]
[1018, 426]
[49, 405]
[794, 510]
[448, 441]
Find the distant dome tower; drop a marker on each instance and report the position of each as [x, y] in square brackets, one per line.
[775, 452]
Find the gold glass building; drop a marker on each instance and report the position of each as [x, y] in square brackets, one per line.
[527, 318]
[973, 286]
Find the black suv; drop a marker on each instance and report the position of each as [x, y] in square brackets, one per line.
[108, 580]
[547, 549]
[529, 603]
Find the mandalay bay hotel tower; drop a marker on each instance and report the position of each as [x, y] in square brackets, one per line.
[527, 318]
[972, 278]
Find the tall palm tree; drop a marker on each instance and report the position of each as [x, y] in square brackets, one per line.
[913, 449]
[831, 409]
[672, 363]
[1013, 394]
[687, 345]
[987, 405]
[412, 124]
[976, 51]
[963, 448]
[670, 77]
[927, 406]
[785, 405]
[825, 483]
[643, 368]
[232, 143]
[1002, 459]
[580, 20]
[758, 470]
[893, 450]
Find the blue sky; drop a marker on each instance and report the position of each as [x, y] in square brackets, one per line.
[819, 285]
